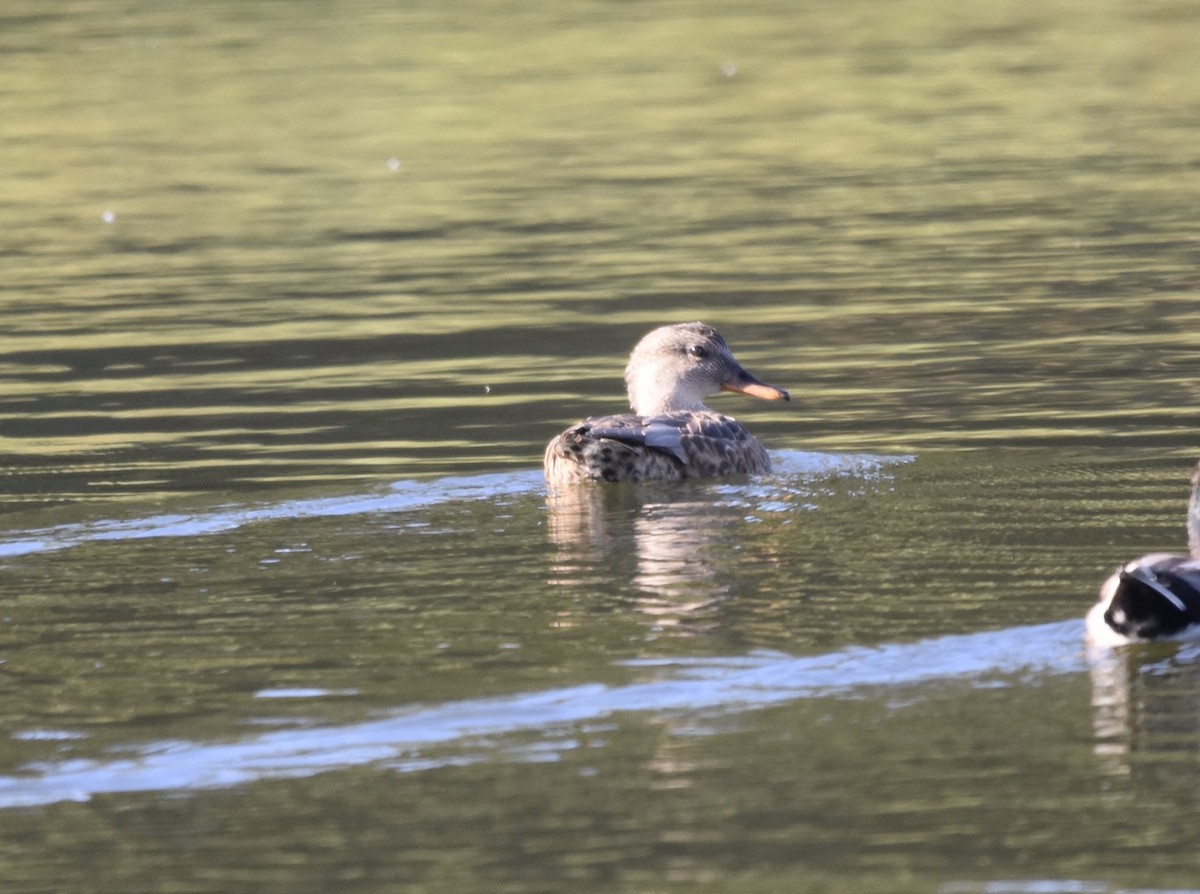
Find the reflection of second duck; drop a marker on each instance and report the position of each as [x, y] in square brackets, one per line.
[671, 434]
[1156, 597]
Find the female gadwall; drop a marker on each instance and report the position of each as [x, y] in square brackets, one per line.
[670, 434]
[1156, 597]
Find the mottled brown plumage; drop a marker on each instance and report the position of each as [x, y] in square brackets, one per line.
[670, 434]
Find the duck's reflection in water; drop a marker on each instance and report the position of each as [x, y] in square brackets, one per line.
[671, 549]
[1146, 710]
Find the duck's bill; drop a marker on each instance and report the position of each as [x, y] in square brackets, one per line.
[744, 383]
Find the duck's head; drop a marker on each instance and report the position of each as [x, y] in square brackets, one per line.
[674, 368]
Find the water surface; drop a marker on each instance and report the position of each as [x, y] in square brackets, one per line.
[296, 295]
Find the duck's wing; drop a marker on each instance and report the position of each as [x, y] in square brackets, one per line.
[613, 448]
[664, 434]
[1154, 596]
[706, 443]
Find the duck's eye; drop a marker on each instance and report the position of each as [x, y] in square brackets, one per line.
[697, 352]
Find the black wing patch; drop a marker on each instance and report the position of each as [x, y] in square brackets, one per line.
[1155, 599]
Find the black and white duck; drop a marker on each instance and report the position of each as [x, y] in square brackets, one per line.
[1156, 597]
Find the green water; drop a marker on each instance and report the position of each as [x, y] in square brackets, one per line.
[295, 294]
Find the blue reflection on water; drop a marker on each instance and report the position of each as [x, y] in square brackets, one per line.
[406, 739]
[404, 495]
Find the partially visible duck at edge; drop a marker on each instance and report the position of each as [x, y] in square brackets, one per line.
[671, 434]
[1156, 597]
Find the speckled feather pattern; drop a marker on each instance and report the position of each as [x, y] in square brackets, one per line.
[669, 447]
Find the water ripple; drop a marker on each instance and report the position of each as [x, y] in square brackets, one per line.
[401, 496]
[405, 739]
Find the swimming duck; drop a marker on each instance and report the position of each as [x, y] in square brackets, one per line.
[670, 434]
[1156, 597]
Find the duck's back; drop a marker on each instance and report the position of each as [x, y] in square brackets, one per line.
[1154, 597]
[656, 448]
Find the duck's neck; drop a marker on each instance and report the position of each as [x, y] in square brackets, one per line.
[656, 387]
[647, 398]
